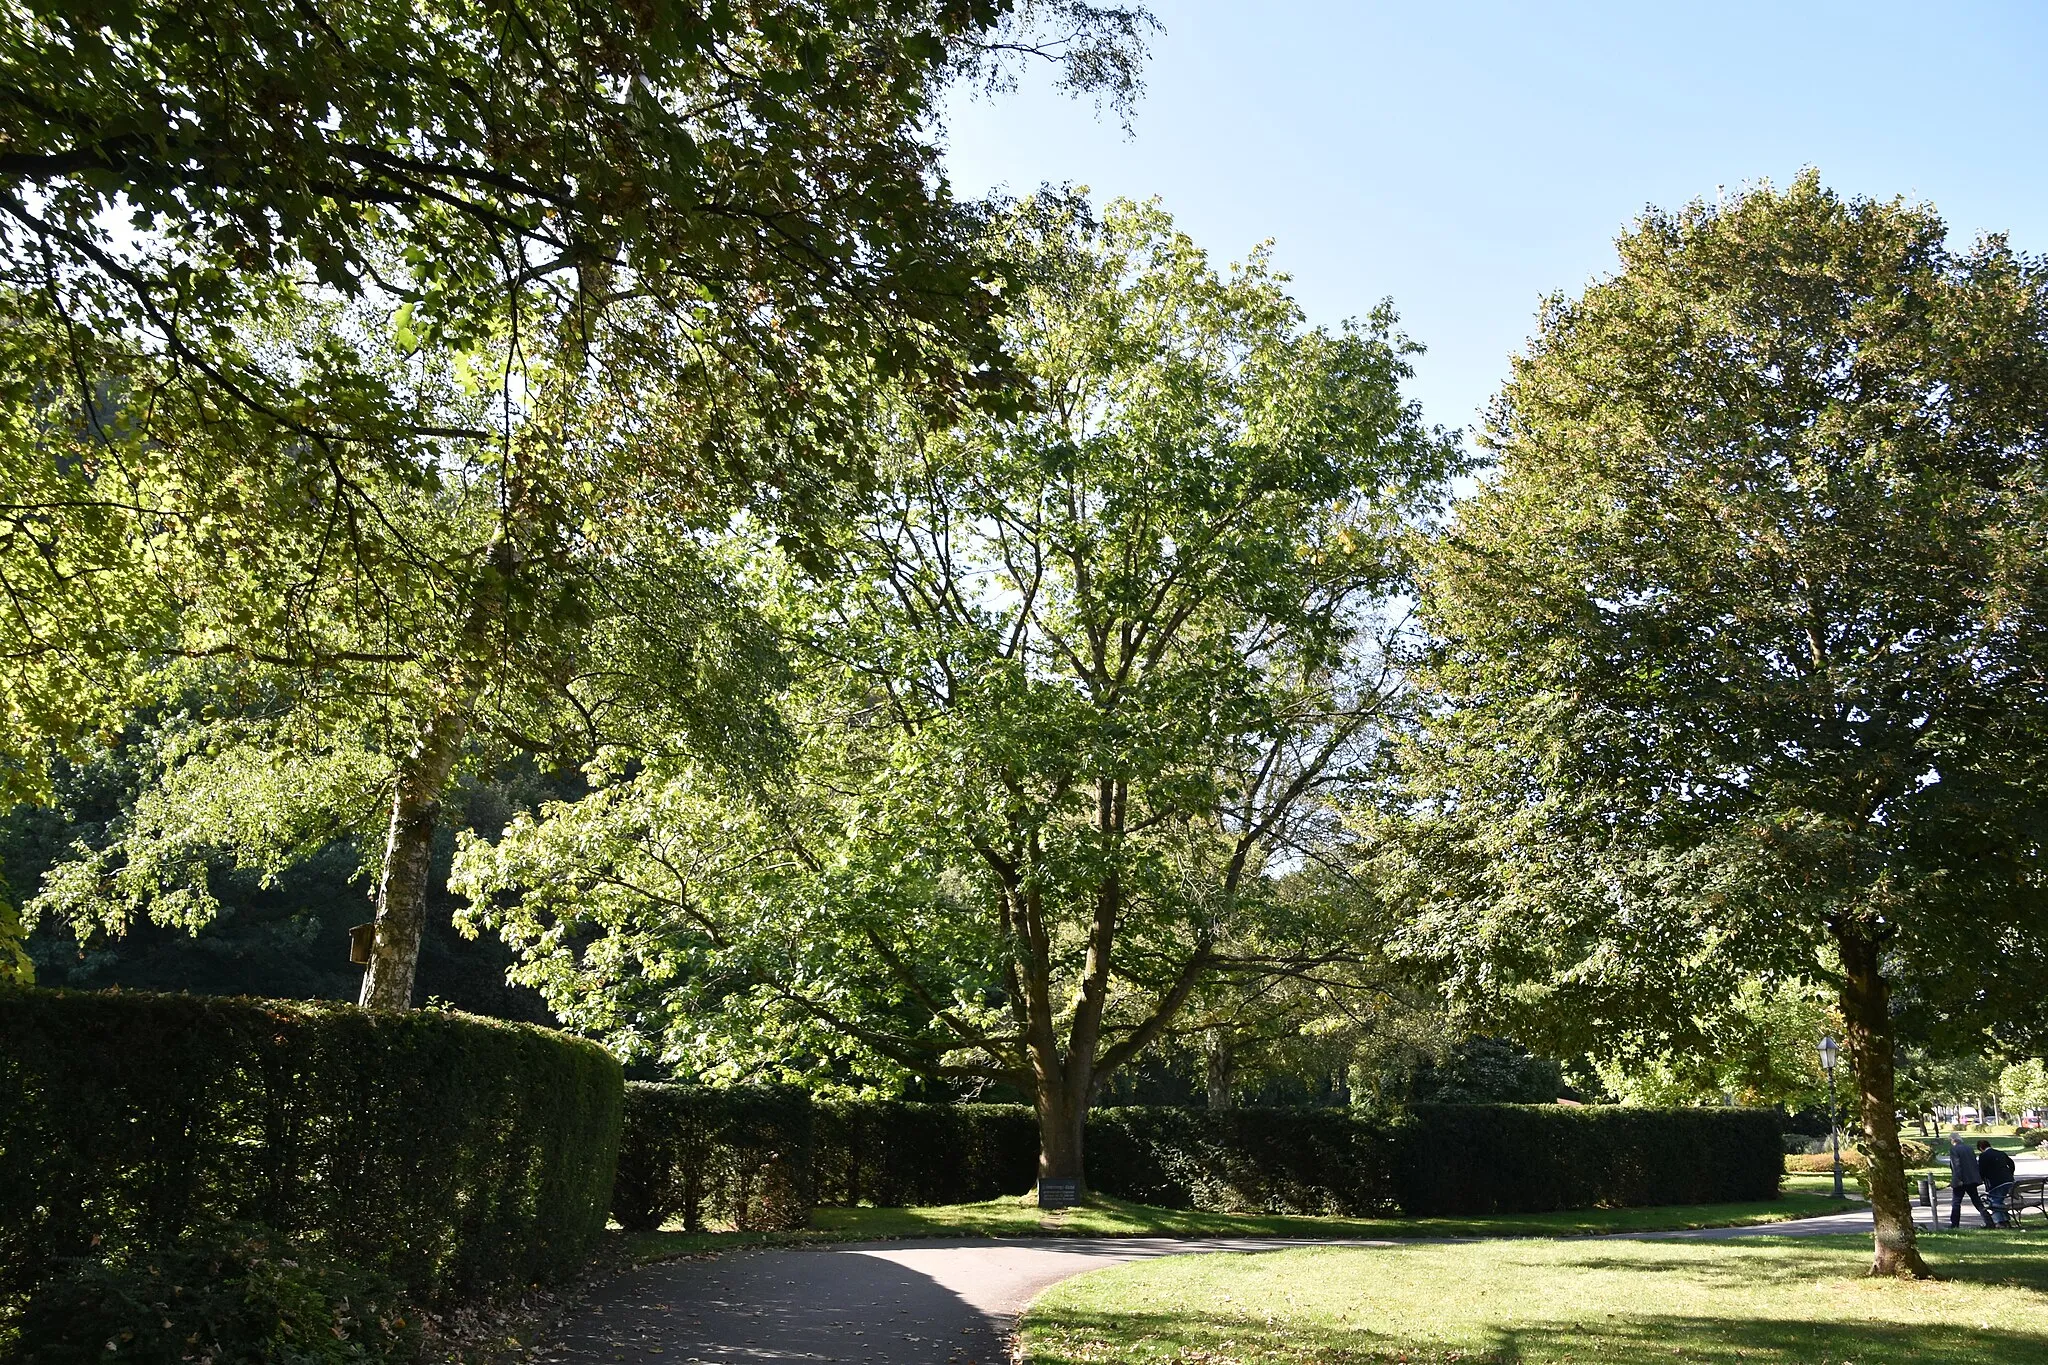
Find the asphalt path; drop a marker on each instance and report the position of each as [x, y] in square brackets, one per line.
[938, 1302]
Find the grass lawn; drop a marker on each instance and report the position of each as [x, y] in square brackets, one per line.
[1116, 1218]
[1529, 1302]
[1821, 1182]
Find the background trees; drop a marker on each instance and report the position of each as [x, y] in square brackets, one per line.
[1741, 650]
[2024, 1084]
[1072, 706]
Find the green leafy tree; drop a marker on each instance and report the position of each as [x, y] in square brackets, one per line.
[1336, 1034]
[1083, 687]
[637, 268]
[1486, 1071]
[763, 174]
[1760, 1047]
[15, 964]
[2024, 1085]
[193, 911]
[1741, 646]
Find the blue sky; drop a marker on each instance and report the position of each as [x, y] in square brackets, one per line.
[1466, 159]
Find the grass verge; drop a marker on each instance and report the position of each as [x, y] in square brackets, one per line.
[1533, 1302]
[1102, 1217]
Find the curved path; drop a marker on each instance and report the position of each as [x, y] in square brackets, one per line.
[937, 1302]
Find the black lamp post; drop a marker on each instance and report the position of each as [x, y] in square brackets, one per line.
[1828, 1053]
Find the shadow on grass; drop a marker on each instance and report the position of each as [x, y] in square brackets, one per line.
[2005, 1260]
[1664, 1338]
[1106, 1217]
[1136, 1338]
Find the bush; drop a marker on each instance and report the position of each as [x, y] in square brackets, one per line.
[1312, 1161]
[237, 1294]
[2031, 1138]
[1822, 1163]
[893, 1153]
[1487, 1071]
[1512, 1158]
[740, 1154]
[456, 1155]
[1821, 1157]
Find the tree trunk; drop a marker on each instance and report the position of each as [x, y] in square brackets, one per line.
[1220, 1068]
[408, 856]
[1866, 1012]
[1062, 1124]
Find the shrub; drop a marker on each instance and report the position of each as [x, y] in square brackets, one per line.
[1513, 1158]
[236, 1294]
[2031, 1138]
[740, 1154]
[1821, 1163]
[456, 1155]
[1487, 1071]
[1821, 1159]
[894, 1153]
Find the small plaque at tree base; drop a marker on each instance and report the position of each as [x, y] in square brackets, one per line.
[1059, 1194]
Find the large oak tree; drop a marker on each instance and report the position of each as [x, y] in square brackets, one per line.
[1741, 648]
[1068, 727]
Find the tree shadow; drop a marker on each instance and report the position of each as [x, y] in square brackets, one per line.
[777, 1305]
[1088, 1338]
[1663, 1338]
[1761, 1262]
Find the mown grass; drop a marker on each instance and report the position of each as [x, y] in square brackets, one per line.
[1102, 1217]
[1532, 1302]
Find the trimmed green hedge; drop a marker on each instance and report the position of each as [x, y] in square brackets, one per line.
[894, 1153]
[1313, 1161]
[1439, 1159]
[1535, 1158]
[456, 1155]
[740, 1155]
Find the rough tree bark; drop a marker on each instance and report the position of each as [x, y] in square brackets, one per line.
[422, 777]
[1866, 1013]
[1062, 1124]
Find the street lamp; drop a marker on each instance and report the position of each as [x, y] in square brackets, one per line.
[1829, 1051]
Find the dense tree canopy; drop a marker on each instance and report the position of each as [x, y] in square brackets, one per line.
[382, 359]
[1741, 649]
[1068, 718]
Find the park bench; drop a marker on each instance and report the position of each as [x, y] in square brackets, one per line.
[2028, 1192]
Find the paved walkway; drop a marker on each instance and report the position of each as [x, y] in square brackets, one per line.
[937, 1302]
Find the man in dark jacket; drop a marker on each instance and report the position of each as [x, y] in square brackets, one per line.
[1999, 1173]
[1964, 1178]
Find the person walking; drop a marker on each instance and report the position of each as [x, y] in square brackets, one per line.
[1999, 1172]
[1964, 1177]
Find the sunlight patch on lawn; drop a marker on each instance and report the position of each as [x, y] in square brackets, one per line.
[1532, 1302]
